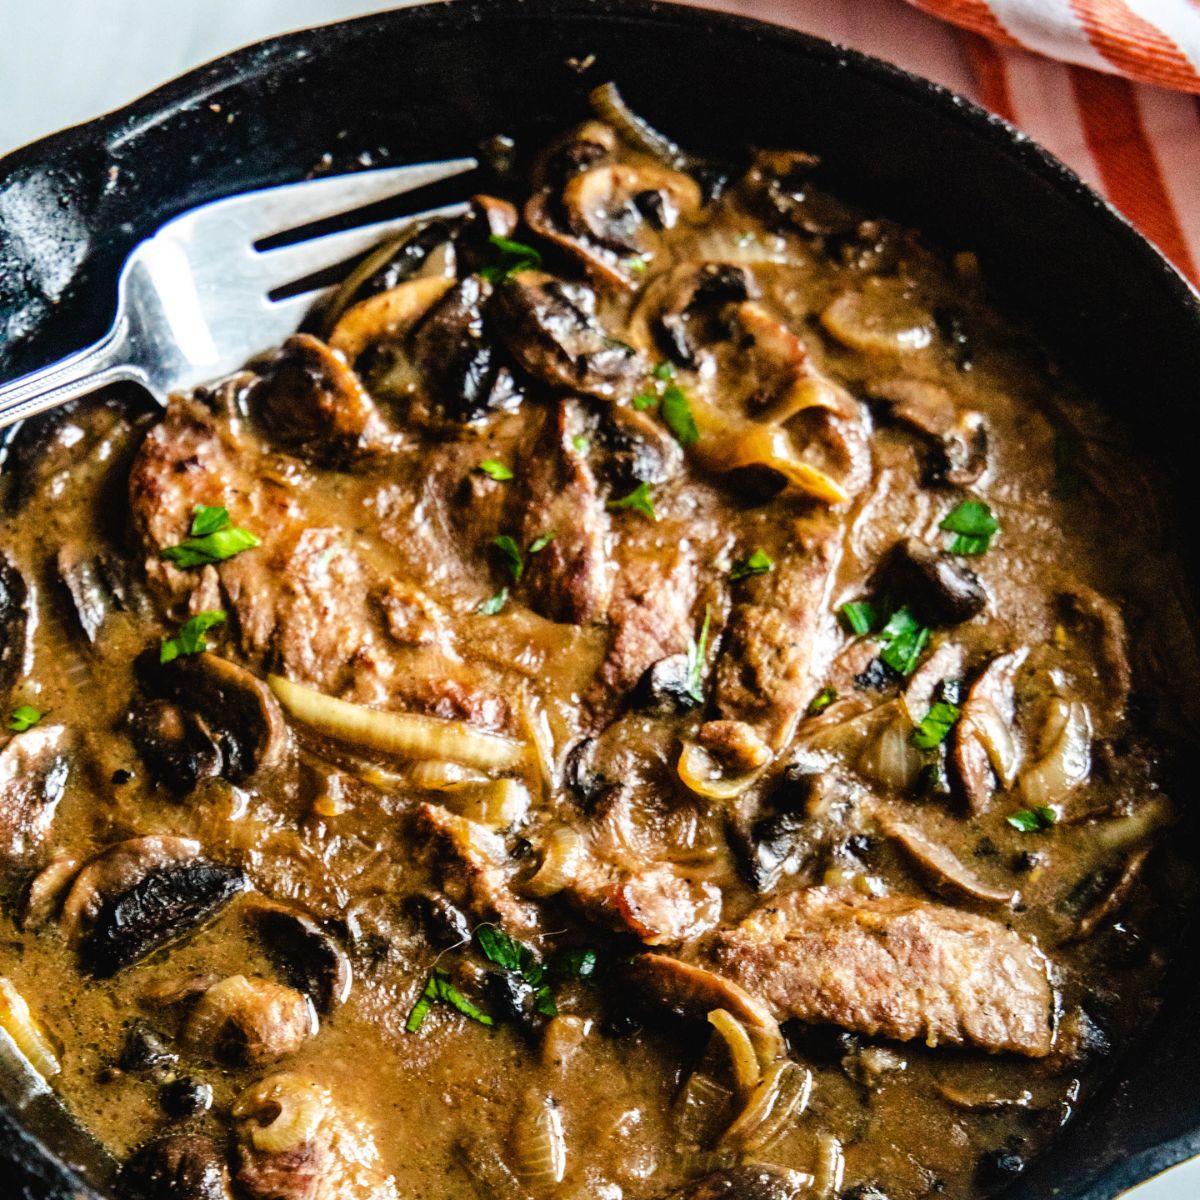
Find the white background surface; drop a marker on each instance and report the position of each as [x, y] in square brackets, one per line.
[65, 61]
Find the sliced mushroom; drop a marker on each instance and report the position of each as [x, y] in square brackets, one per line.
[958, 435]
[97, 585]
[773, 846]
[46, 890]
[312, 958]
[1064, 754]
[985, 744]
[1115, 897]
[382, 322]
[752, 1182]
[614, 204]
[249, 1022]
[784, 181]
[881, 318]
[34, 767]
[636, 449]
[693, 297]
[943, 666]
[692, 991]
[550, 328]
[178, 1166]
[1085, 610]
[419, 257]
[142, 894]
[13, 625]
[312, 402]
[237, 707]
[665, 687]
[940, 865]
[456, 359]
[602, 265]
[736, 745]
[938, 588]
[176, 745]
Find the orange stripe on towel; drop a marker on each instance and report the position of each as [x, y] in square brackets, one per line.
[1116, 137]
[1134, 46]
[991, 76]
[975, 15]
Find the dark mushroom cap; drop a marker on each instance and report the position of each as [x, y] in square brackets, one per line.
[938, 588]
[237, 707]
[13, 625]
[34, 766]
[176, 745]
[179, 1166]
[311, 957]
[142, 894]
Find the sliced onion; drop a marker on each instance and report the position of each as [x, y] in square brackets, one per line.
[782, 1094]
[562, 853]
[700, 775]
[882, 318]
[831, 1167]
[995, 735]
[284, 1112]
[742, 1056]
[498, 804]
[17, 1021]
[609, 105]
[701, 1104]
[408, 735]
[438, 775]
[1066, 754]
[539, 1148]
[890, 757]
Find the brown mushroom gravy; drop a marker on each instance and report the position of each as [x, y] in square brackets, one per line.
[661, 693]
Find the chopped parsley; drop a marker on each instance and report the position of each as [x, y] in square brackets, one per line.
[905, 639]
[574, 964]
[494, 469]
[639, 500]
[493, 604]
[664, 371]
[1033, 820]
[510, 554]
[581, 443]
[860, 615]
[212, 539]
[540, 543]
[695, 660]
[636, 265]
[191, 637]
[821, 701]
[24, 717]
[935, 725]
[973, 526]
[644, 400]
[677, 413]
[759, 563]
[517, 959]
[512, 257]
[439, 988]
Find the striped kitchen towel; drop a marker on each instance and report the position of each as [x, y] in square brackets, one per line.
[1152, 41]
[1136, 143]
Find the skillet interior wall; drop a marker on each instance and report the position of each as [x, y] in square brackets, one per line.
[433, 82]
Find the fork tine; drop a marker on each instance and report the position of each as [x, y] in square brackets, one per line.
[274, 210]
[278, 319]
[289, 263]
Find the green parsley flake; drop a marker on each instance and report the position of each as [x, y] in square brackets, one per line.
[191, 637]
[636, 265]
[212, 540]
[644, 400]
[494, 469]
[540, 543]
[759, 563]
[493, 604]
[517, 959]
[510, 553]
[935, 725]
[906, 638]
[439, 988]
[860, 615]
[821, 701]
[695, 659]
[639, 500]
[664, 371]
[208, 519]
[581, 443]
[513, 257]
[574, 964]
[1033, 820]
[24, 717]
[973, 525]
[677, 413]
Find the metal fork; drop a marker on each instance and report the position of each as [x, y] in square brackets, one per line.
[194, 300]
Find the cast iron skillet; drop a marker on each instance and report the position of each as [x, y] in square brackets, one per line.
[432, 82]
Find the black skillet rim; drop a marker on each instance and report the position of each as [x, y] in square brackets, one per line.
[460, 15]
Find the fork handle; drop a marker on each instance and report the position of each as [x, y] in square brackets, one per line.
[76, 375]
